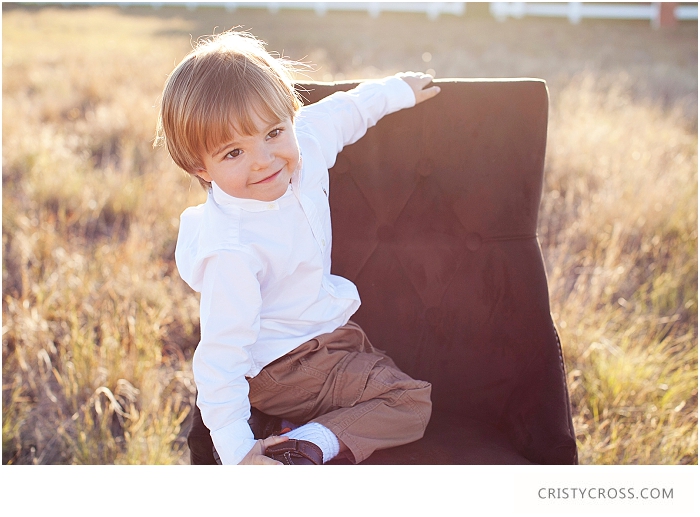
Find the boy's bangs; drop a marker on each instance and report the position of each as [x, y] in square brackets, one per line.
[237, 112]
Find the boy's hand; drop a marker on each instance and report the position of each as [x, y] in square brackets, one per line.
[256, 456]
[418, 81]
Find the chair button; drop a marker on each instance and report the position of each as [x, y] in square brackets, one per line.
[432, 316]
[386, 233]
[473, 241]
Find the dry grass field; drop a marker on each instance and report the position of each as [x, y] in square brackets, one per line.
[98, 329]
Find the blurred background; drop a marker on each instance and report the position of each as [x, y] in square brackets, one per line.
[98, 328]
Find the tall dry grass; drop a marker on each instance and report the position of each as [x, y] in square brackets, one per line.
[98, 330]
[619, 228]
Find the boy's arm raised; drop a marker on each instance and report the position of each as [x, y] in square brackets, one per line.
[344, 117]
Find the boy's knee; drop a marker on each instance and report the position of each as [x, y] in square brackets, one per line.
[423, 403]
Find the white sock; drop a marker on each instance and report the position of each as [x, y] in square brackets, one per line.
[318, 435]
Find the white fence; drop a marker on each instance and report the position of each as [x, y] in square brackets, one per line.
[574, 11]
[432, 9]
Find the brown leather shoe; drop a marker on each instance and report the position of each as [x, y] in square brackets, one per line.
[295, 452]
[264, 425]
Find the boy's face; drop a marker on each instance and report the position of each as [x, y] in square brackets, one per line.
[257, 166]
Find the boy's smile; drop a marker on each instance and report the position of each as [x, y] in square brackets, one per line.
[257, 166]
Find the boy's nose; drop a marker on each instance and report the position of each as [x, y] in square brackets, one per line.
[262, 158]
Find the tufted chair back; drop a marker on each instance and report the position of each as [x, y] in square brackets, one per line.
[435, 220]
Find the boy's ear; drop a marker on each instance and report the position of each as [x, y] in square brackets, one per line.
[202, 173]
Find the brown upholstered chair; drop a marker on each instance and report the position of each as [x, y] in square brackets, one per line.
[434, 219]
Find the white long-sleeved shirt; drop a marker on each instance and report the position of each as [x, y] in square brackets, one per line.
[263, 268]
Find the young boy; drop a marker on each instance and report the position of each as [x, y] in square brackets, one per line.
[275, 330]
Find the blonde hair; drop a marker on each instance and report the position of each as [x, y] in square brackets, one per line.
[222, 83]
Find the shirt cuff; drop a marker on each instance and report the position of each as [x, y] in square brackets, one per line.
[404, 94]
[233, 442]
[394, 92]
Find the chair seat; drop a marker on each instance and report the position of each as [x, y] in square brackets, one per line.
[451, 440]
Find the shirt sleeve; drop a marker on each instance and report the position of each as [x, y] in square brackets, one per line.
[344, 117]
[230, 323]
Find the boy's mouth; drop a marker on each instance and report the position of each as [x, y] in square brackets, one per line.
[268, 179]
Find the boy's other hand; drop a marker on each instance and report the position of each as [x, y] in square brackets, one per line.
[256, 456]
[418, 82]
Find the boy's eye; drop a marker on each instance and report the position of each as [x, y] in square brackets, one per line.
[274, 132]
[233, 154]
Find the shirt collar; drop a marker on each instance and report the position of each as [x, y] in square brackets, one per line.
[249, 205]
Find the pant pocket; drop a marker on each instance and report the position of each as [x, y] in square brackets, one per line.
[353, 373]
[279, 399]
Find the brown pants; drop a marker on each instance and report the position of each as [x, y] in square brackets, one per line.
[345, 384]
